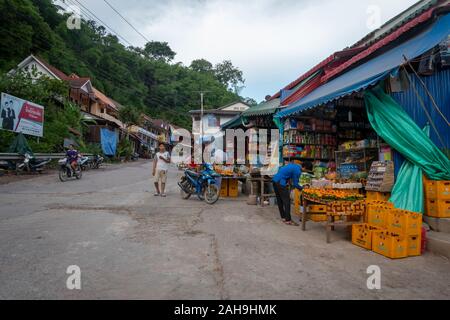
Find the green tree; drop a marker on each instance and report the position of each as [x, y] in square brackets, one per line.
[202, 66]
[229, 75]
[129, 116]
[159, 51]
[140, 78]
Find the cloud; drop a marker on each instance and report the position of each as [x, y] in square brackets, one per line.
[273, 42]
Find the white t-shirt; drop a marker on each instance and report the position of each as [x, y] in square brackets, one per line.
[161, 164]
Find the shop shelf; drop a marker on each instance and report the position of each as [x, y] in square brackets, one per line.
[389, 244]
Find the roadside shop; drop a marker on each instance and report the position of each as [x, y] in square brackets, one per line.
[370, 153]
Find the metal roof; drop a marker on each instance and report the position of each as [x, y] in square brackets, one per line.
[373, 70]
[263, 109]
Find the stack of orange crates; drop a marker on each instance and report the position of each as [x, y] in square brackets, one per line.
[224, 188]
[233, 188]
[437, 198]
[391, 232]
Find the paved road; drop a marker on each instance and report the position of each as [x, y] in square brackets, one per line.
[130, 244]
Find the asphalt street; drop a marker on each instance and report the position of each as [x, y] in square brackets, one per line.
[130, 244]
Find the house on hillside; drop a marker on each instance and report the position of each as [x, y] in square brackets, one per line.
[213, 119]
[151, 133]
[95, 106]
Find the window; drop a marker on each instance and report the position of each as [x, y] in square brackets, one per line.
[213, 121]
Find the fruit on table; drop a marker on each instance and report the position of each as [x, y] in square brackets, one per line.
[332, 194]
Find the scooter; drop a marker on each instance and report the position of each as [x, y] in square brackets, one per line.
[31, 164]
[97, 162]
[204, 184]
[85, 163]
[66, 171]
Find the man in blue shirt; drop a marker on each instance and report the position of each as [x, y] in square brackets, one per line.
[289, 174]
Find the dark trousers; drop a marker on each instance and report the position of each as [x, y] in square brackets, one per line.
[284, 200]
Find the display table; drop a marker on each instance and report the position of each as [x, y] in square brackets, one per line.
[337, 213]
[261, 182]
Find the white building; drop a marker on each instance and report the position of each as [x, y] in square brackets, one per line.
[214, 118]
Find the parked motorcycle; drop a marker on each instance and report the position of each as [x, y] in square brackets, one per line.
[85, 163]
[204, 184]
[135, 156]
[66, 171]
[31, 164]
[97, 161]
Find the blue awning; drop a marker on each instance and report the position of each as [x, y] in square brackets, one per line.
[374, 70]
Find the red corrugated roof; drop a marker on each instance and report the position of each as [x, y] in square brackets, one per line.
[382, 43]
[331, 61]
[54, 70]
[102, 97]
[304, 90]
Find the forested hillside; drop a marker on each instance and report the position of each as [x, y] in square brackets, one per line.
[146, 78]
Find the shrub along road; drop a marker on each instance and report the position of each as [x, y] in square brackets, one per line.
[130, 244]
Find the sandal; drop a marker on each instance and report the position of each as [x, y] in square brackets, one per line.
[292, 223]
[156, 194]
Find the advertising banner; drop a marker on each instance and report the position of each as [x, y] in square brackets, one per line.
[21, 116]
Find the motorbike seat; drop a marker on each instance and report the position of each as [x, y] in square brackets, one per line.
[193, 174]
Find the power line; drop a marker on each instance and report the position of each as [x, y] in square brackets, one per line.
[102, 22]
[123, 18]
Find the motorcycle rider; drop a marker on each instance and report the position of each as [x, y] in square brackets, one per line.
[72, 157]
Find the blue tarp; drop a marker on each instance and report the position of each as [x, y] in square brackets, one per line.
[374, 70]
[109, 142]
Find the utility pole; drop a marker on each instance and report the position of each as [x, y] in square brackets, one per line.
[202, 95]
[202, 112]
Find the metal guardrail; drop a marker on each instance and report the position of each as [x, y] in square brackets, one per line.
[16, 156]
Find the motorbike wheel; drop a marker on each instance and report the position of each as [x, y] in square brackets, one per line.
[78, 174]
[211, 194]
[63, 174]
[185, 195]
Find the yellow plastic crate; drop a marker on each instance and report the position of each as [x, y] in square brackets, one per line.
[414, 245]
[404, 222]
[438, 208]
[377, 215]
[317, 217]
[362, 235]
[224, 188]
[297, 202]
[233, 188]
[389, 244]
[378, 196]
[436, 190]
[316, 208]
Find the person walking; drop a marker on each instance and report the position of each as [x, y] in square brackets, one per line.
[160, 168]
[288, 174]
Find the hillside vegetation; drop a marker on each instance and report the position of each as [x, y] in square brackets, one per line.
[145, 78]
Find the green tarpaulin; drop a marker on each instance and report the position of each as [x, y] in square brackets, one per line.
[397, 128]
[409, 182]
[20, 145]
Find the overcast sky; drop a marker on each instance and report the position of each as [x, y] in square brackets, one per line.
[271, 41]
